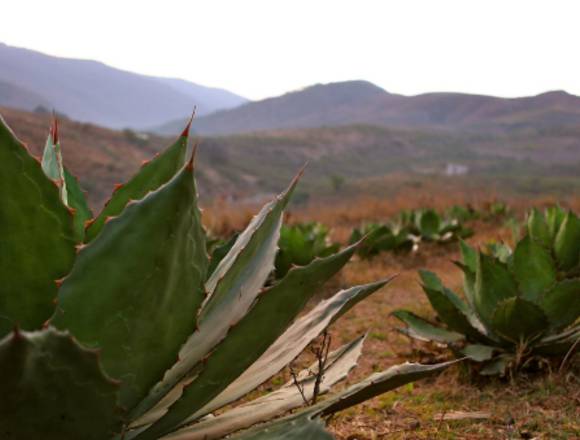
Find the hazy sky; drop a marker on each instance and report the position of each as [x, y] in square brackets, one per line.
[261, 48]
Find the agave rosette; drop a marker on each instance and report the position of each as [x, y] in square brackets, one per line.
[518, 305]
[119, 326]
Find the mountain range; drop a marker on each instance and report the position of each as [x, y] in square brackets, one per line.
[361, 102]
[90, 91]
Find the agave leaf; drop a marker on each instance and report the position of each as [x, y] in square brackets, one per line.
[561, 304]
[423, 330]
[36, 238]
[377, 383]
[232, 290]
[54, 389]
[150, 177]
[538, 228]
[429, 224]
[478, 353]
[145, 266]
[77, 201]
[468, 255]
[534, 268]
[52, 164]
[493, 284]
[554, 218]
[468, 266]
[291, 343]
[497, 366]
[517, 319]
[566, 242]
[286, 398]
[219, 253]
[70, 190]
[273, 312]
[296, 428]
[374, 385]
[558, 344]
[450, 308]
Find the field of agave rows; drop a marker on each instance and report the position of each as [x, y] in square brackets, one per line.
[140, 323]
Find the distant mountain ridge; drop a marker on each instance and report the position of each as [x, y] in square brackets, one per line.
[361, 102]
[91, 91]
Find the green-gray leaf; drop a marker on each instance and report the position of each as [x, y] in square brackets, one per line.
[423, 330]
[77, 201]
[149, 178]
[54, 389]
[278, 402]
[36, 238]
[566, 245]
[145, 266]
[273, 312]
[538, 228]
[561, 304]
[478, 353]
[231, 291]
[518, 320]
[534, 268]
[494, 283]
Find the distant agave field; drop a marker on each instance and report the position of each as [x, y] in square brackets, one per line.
[138, 323]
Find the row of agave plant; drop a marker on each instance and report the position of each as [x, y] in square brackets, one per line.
[408, 230]
[120, 326]
[301, 243]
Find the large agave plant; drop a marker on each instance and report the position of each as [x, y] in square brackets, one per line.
[112, 328]
[520, 304]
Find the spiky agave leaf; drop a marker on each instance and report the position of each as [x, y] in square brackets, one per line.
[54, 389]
[134, 291]
[150, 177]
[36, 238]
[281, 401]
[71, 193]
[309, 419]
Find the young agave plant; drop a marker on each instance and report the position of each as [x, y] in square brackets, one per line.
[134, 340]
[430, 226]
[520, 304]
[381, 238]
[300, 244]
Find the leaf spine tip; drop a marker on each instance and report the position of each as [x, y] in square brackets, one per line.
[118, 186]
[145, 163]
[79, 247]
[89, 223]
[109, 218]
[189, 165]
[54, 128]
[185, 132]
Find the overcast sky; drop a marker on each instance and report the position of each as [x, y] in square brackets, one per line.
[261, 48]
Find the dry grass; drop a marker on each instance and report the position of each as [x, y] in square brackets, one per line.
[543, 407]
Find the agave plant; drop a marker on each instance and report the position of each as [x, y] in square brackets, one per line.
[300, 244]
[520, 304]
[381, 238]
[462, 213]
[112, 328]
[430, 226]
